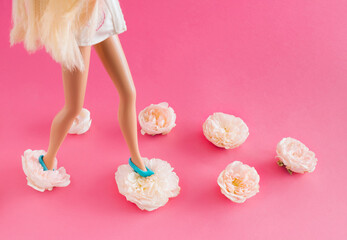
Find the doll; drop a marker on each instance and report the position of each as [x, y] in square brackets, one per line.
[67, 29]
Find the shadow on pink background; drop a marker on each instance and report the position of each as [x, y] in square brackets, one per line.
[279, 65]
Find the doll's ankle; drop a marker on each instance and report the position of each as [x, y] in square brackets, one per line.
[49, 162]
[139, 163]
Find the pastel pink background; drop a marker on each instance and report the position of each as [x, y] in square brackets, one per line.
[279, 65]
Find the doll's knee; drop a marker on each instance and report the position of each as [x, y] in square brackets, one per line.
[72, 112]
[128, 94]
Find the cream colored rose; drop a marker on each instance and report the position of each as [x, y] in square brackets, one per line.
[225, 130]
[295, 156]
[81, 123]
[152, 192]
[39, 179]
[238, 182]
[157, 119]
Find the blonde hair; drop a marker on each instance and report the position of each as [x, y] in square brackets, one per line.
[54, 24]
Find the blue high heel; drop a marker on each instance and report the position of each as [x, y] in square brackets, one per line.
[43, 163]
[142, 173]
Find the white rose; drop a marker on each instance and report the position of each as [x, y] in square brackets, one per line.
[295, 156]
[225, 130]
[152, 192]
[81, 123]
[39, 179]
[157, 119]
[238, 182]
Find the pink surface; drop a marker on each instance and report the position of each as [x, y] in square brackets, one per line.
[279, 65]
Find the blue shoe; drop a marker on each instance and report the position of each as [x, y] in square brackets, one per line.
[142, 173]
[43, 163]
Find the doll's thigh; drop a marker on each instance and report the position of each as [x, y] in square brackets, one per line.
[112, 56]
[75, 83]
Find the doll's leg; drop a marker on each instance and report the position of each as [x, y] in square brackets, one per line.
[75, 83]
[112, 56]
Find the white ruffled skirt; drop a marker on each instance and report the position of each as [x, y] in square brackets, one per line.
[111, 21]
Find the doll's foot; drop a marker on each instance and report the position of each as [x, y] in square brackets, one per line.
[41, 161]
[137, 160]
[142, 173]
